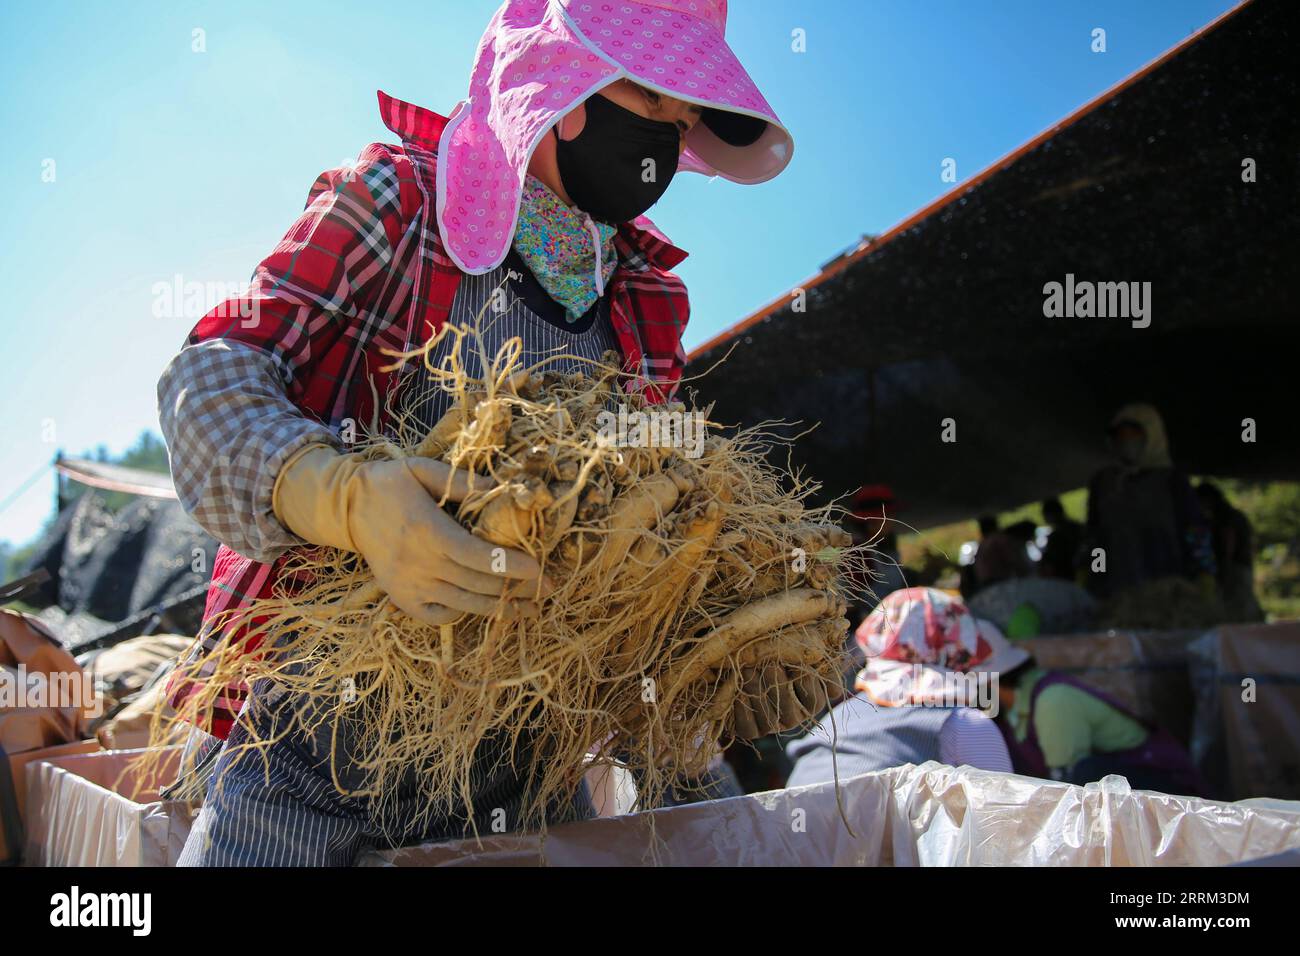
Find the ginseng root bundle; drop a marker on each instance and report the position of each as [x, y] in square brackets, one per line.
[679, 574]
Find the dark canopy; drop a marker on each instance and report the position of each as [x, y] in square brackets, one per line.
[943, 317]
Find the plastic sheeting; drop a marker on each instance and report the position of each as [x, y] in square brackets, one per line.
[109, 566]
[13, 792]
[83, 811]
[931, 815]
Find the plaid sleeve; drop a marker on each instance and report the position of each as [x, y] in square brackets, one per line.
[651, 309]
[240, 398]
[655, 304]
[229, 426]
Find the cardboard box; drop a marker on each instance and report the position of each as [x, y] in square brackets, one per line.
[54, 723]
[931, 815]
[13, 792]
[83, 811]
[92, 810]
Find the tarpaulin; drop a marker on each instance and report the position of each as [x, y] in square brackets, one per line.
[942, 322]
[100, 474]
[1247, 725]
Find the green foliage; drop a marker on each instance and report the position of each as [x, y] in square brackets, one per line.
[14, 560]
[149, 453]
[1273, 509]
[945, 542]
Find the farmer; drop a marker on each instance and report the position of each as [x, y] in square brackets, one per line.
[579, 115]
[1061, 554]
[1234, 553]
[1142, 512]
[1001, 555]
[930, 675]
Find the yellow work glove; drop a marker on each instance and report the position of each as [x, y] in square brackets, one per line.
[387, 511]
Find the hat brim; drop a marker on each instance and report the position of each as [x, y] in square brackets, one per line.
[1006, 656]
[686, 57]
[734, 129]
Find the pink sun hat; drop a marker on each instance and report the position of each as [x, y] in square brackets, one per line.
[539, 59]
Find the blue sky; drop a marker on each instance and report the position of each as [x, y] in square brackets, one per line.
[170, 162]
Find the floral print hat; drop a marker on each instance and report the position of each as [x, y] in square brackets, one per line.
[916, 634]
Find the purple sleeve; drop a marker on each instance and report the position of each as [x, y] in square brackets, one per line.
[970, 738]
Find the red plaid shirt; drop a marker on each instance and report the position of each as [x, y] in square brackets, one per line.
[331, 355]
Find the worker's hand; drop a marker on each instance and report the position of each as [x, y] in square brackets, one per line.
[773, 700]
[387, 511]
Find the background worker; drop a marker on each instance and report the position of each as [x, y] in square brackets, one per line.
[1142, 511]
[1061, 729]
[907, 707]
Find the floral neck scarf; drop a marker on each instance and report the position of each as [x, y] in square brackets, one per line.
[571, 254]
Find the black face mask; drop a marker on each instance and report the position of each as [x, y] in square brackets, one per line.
[604, 168]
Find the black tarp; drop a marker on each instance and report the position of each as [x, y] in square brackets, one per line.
[101, 583]
[83, 521]
[73, 556]
[177, 557]
[944, 319]
[110, 567]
